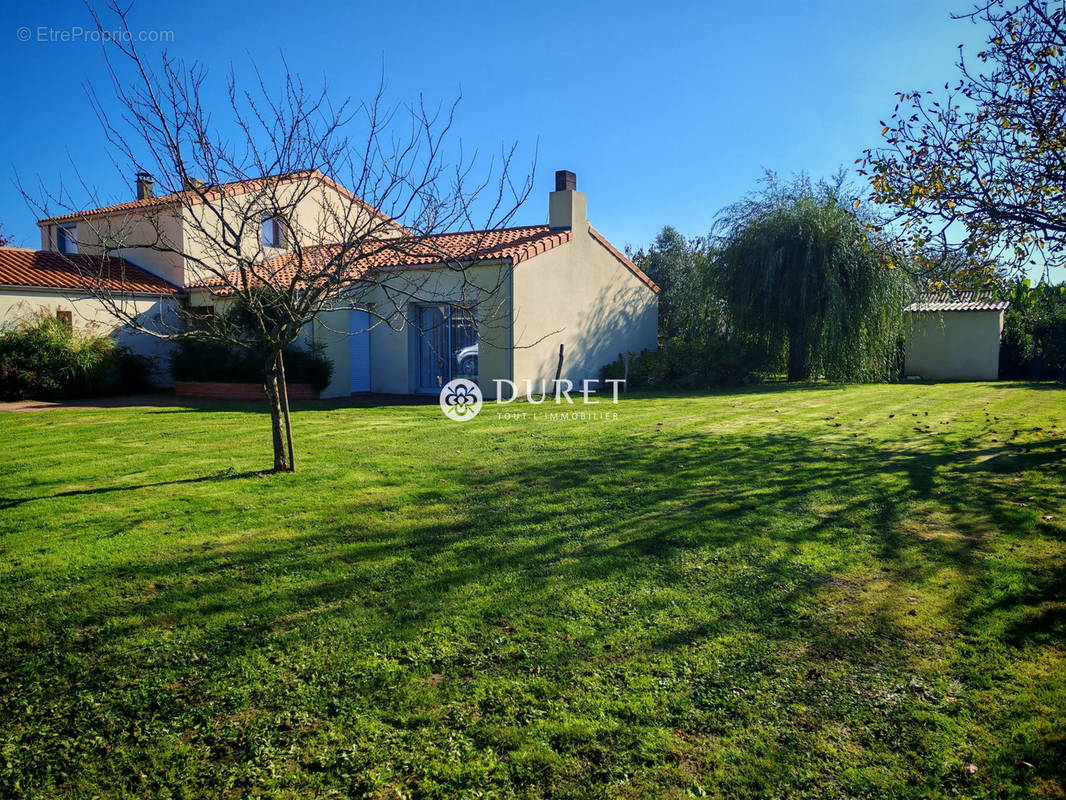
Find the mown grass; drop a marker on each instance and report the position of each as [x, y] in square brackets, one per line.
[808, 592]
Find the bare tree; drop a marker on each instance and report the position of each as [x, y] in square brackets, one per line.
[294, 205]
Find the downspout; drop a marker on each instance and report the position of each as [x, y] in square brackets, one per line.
[510, 324]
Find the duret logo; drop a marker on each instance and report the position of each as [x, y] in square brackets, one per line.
[460, 400]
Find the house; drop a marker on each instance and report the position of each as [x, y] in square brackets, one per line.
[62, 284]
[954, 337]
[492, 306]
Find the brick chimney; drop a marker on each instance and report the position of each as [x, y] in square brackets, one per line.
[566, 205]
[145, 186]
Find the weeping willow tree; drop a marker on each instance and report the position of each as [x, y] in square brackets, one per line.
[808, 284]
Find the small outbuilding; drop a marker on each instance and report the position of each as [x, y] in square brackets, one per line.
[954, 336]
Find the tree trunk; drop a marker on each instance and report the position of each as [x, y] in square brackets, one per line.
[283, 387]
[281, 463]
[799, 362]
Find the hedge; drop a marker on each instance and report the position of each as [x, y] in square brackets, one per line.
[680, 364]
[199, 360]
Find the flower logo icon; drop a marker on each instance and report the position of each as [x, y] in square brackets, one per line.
[460, 400]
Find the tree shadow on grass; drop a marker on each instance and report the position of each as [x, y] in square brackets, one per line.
[704, 493]
[571, 557]
[1047, 385]
[224, 475]
[182, 405]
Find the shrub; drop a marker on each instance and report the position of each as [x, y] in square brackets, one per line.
[1049, 335]
[687, 365]
[46, 358]
[198, 360]
[308, 366]
[1033, 344]
[1015, 347]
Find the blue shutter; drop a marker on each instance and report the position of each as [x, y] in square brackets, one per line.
[359, 350]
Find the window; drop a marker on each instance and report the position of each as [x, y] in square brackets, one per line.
[273, 231]
[196, 312]
[65, 238]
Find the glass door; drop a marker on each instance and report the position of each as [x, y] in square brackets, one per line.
[432, 348]
[464, 345]
[447, 346]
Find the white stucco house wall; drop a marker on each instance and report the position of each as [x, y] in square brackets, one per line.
[36, 282]
[520, 293]
[954, 337]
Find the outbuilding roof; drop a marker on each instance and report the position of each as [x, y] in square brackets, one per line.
[958, 301]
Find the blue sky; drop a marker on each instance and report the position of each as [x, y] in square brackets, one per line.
[666, 111]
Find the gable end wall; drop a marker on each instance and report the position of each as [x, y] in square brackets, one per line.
[581, 296]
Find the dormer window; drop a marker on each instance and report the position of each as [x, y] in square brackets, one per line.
[66, 242]
[273, 231]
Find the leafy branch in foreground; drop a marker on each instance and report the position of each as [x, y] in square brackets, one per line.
[985, 162]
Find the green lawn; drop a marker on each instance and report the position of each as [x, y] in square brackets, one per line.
[809, 592]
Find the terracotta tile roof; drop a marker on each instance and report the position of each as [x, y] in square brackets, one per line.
[190, 197]
[514, 244]
[599, 237]
[43, 268]
[958, 301]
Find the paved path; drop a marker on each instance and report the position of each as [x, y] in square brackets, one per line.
[122, 401]
[168, 400]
